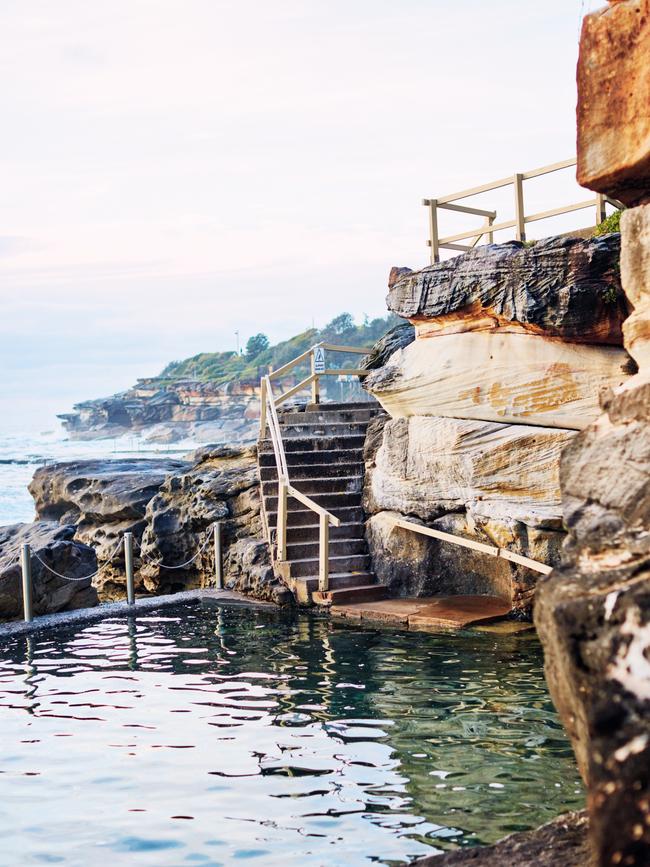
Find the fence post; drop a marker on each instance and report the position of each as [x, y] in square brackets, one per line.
[262, 408]
[519, 206]
[601, 210]
[324, 554]
[282, 520]
[218, 557]
[490, 237]
[315, 383]
[26, 568]
[128, 566]
[433, 230]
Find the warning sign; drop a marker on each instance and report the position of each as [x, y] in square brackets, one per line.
[319, 359]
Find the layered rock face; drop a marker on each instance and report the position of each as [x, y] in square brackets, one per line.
[513, 345]
[593, 613]
[52, 546]
[170, 507]
[201, 411]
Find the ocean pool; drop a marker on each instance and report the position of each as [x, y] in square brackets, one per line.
[222, 735]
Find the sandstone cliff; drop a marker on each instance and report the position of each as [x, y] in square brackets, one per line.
[513, 345]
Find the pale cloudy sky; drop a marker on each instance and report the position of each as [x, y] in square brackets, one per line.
[174, 170]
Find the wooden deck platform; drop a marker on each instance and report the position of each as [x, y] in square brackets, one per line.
[427, 613]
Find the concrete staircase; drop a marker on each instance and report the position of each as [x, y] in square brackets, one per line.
[324, 450]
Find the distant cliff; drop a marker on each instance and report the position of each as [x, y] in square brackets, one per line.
[214, 396]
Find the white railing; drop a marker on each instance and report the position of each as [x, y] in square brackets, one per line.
[269, 417]
[490, 550]
[490, 226]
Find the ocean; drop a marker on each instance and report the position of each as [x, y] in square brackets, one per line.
[23, 452]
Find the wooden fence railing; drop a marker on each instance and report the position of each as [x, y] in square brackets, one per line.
[269, 417]
[490, 225]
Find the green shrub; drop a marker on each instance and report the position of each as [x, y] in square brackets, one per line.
[611, 224]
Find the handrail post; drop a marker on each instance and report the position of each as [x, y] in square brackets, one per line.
[433, 231]
[26, 569]
[519, 206]
[324, 554]
[262, 408]
[601, 210]
[218, 557]
[128, 566]
[490, 235]
[282, 519]
[315, 383]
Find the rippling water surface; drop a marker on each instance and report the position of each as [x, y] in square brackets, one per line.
[206, 735]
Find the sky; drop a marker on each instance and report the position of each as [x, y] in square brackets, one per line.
[174, 171]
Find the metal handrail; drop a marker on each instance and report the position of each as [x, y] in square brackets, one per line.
[490, 226]
[286, 489]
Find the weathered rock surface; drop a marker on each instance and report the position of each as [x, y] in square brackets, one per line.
[518, 378]
[491, 483]
[561, 843]
[222, 484]
[186, 409]
[562, 287]
[103, 499]
[55, 546]
[396, 338]
[429, 466]
[593, 615]
[635, 272]
[613, 100]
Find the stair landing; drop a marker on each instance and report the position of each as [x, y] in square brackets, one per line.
[428, 613]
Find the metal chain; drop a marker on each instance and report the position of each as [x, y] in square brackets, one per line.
[85, 577]
[161, 565]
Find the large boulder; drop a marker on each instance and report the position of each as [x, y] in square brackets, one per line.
[103, 499]
[502, 377]
[613, 100]
[221, 484]
[566, 288]
[593, 613]
[54, 549]
[635, 266]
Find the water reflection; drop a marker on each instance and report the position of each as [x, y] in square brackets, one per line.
[215, 735]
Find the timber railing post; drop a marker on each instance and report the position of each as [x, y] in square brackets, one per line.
[218, 557]
[601, 211]
[282, 519]
[128, 566]
[519, 206]
[324, 554]
[26, 568]
[434, 237]
[262, 408]
[315, 383]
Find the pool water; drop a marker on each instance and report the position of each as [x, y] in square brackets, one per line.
[216, 735]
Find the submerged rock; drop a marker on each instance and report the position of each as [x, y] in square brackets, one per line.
[56, 547]
[563, 842]
[560, 287]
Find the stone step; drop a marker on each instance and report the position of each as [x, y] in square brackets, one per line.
[344, 416]
[346, 564]
[350, 595]
[312, 471]
[337, 581]
[290, 431]
[299, 516]
[332, 502]
[338, 548]
[311, 444]
[320, 485]
[311, 532]
[314, 456]
[332, 406]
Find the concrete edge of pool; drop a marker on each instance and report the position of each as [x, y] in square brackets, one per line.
[112, 609]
